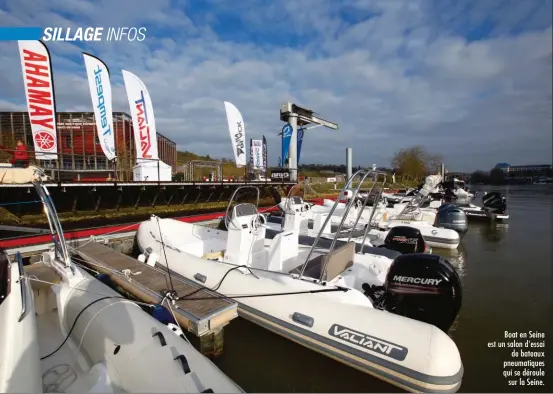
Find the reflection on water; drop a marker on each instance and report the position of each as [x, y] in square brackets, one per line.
[457, 258]
[494, 232]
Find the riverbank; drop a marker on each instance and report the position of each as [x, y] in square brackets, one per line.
[129, 214]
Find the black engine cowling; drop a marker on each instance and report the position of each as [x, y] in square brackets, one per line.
[495, 202]
[423, 287]
[405, 239]
[452, 217]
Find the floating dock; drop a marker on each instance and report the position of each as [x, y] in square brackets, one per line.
[205, 318]
[74, 197]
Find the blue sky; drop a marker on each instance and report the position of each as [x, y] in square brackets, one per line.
[470, 80]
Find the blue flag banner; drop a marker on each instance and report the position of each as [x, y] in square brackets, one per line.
[286, 136]
[300, 140]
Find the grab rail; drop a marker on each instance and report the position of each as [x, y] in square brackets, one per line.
[369, 223]
[23, 285]
[56, 229]
[364, 174]
[375, 205]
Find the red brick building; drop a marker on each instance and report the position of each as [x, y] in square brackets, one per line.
[78, 145]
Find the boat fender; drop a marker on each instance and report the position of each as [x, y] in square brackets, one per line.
[161, 314]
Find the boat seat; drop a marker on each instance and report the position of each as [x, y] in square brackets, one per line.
[337, 261]
[313, 269]
[42, 272]
[44, 299]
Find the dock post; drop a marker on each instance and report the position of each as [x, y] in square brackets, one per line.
[211, 344]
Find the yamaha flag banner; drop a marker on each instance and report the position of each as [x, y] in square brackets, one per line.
[39, 91]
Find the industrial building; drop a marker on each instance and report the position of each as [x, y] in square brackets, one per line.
[79, 149]
[525, 170]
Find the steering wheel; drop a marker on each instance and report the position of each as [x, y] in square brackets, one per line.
[258, 221]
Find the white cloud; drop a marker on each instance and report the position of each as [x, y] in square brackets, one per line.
[403, 76]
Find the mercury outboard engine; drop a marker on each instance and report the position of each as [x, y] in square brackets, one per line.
[423, 287]
[495, 202]
[452, 217]
[405, 240]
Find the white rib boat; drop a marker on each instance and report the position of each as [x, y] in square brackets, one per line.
[442, 228]
[64, 331]
[299, 216]
[322, 299]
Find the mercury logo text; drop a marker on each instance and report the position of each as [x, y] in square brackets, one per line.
[417, 281]
[106, 127]
[368, 342]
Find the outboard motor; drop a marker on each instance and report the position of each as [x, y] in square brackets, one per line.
[222, 225]
[405, 240]
[449, 195]
[423, 287]
[495, 202]
[452, 217]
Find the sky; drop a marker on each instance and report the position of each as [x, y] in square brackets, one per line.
[470, 80]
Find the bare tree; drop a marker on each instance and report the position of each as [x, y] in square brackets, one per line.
[415, 163]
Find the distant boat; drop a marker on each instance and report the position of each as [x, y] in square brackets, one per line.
[542, 181]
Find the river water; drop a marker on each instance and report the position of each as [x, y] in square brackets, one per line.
[506, 270]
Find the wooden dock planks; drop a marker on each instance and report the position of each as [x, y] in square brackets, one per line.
[147, 284]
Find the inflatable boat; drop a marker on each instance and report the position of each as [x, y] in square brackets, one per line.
[494, 207]
[441, 228]
[65, 331]
[295, 216]
[323, 298]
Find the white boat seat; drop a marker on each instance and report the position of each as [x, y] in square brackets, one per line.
[45, 301]
[42, 272]
[337, 261]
